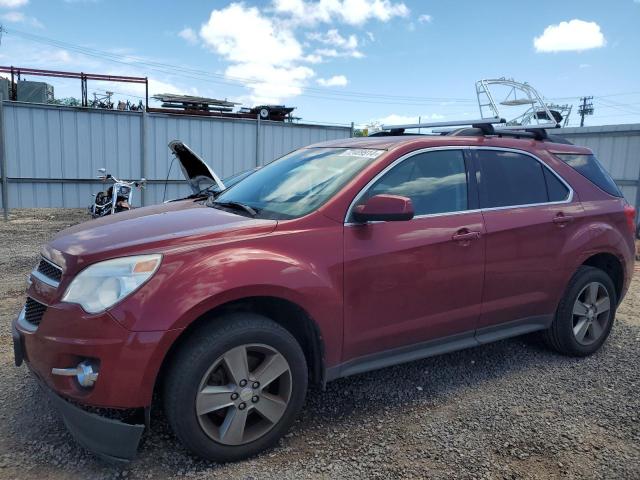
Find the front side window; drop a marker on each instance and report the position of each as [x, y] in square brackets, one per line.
[297, 183]
[436, 182]
[509, 179]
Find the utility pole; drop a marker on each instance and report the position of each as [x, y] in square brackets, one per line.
[586, 108]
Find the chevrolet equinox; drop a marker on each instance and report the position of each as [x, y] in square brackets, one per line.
[336, 259]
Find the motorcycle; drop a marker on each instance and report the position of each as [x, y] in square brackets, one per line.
[117, 198]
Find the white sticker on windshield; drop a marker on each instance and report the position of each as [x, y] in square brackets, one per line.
[362, 152]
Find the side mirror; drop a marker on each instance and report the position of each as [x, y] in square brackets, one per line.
[102, 170]
[388, 208]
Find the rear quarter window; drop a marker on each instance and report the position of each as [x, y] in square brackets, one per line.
[588, 166]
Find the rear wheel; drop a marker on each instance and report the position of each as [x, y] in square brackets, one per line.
[235, 387]
[585, 315]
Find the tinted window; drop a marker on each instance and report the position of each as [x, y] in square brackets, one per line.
[555, 188]
[510, 179]
[589, 166]
[436, 182]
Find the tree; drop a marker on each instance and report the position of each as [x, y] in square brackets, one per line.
[67, 102]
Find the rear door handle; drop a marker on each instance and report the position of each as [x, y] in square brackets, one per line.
[561, 219]
[465, 236]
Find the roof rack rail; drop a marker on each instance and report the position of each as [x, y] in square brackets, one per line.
[483, 126]
[453, 123]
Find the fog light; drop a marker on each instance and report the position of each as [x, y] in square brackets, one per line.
[84, 373]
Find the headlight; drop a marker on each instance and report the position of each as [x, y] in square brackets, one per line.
[103, 284]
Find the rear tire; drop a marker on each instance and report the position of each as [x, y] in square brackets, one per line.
[213, 397]
[585, 315]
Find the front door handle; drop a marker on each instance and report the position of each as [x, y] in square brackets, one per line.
[465, 236]
[561, 219]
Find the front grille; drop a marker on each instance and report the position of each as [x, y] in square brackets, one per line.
[33, 311]
[49, 270]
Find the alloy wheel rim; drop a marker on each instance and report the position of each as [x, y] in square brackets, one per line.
[244, 394]
[591, 313]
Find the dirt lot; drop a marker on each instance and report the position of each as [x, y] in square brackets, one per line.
[508, 410]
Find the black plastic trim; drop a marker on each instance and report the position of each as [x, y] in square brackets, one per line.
[439, 346]
[18, 349]
[111, 440]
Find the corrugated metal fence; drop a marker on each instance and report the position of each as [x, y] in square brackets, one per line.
[53, 153]
[618, 149]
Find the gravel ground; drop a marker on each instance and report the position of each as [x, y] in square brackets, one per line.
[509, 410]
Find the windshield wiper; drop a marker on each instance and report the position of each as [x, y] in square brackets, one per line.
[204, 192]
[237, 206]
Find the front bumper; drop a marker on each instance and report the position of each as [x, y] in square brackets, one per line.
[109, 439]
[128, 362]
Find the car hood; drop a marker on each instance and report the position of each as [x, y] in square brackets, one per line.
[197, 173]
[159, 228]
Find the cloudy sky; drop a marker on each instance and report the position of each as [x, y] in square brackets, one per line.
[340, 60]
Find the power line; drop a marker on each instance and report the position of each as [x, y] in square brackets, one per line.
[204, 75]
[619, 106]
[307, 91]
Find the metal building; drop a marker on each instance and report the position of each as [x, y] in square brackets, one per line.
[618, 149]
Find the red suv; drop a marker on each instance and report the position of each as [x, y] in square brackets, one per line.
[336, 259]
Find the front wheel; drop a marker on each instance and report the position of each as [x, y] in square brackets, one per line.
[585, 315]
[235, 387]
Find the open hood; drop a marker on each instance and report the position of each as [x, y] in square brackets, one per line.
[198, 174]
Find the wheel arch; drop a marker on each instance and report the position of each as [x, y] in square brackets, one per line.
[612, 266]
[284, 312]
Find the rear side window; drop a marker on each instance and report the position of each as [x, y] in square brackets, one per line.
[555, 188]
[589, 166]
[509, 179]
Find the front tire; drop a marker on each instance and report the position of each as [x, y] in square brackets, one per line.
[585, 315]
[235, 387]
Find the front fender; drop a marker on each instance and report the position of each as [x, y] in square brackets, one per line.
[190, 284]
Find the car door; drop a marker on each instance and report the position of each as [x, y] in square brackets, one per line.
[529, 213]
[408, 282]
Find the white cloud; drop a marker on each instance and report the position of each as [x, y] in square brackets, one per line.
[265, 56]
[13, 3]
[327, 52]
[19, 17]
[313, 58]
[263, 46]
[343, 46]
[242, 34]
[574, 35]
[424, 18]
[63, 57]
[352, 12]
[335, 81]
[189, 35]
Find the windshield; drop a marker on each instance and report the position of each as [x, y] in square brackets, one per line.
[299, 182]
